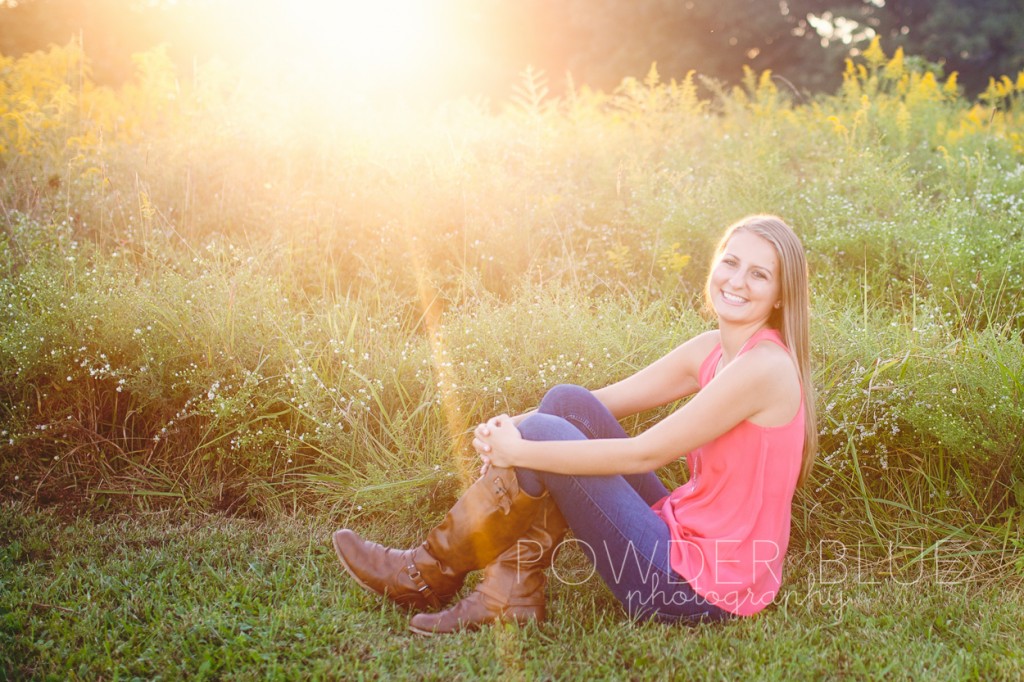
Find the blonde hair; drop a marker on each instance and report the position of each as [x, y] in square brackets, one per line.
[792, 318]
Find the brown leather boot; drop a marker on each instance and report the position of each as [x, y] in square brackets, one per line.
[491, 515]
[512, 588]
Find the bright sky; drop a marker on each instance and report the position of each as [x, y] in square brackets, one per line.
[377, 35]
[358, 45]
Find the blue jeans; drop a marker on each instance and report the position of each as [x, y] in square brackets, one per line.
[611, 516]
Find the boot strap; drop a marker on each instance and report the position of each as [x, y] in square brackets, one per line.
[422, 587]
[504, 490]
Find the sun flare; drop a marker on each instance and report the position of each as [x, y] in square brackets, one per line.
[359, 44]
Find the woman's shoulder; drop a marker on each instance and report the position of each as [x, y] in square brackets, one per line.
[706, 342]
[774, 370]
[703, 351]
[697, 348]
[770, 351]
[771, 362]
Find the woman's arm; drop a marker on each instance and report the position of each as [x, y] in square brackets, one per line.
[521, 416]
[751, 386]
[671, 377]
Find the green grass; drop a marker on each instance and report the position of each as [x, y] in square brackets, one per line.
[192, 596]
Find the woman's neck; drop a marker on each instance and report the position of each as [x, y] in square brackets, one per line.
[734, 337]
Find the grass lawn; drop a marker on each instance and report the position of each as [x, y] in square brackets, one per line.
[189, 596]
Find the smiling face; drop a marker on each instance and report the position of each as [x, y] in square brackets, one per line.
[745, 283]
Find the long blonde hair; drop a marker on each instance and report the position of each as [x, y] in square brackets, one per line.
[792, 318]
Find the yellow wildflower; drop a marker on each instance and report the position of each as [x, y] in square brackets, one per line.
[874, 54]
[950, 89]
[894, 70]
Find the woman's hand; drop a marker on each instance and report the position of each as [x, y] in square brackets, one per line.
[495, 442]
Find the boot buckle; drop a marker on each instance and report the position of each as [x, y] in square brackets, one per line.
[502, 495]
[421, 585]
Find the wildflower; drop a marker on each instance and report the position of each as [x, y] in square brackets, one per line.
[894, 69]
[874, 54]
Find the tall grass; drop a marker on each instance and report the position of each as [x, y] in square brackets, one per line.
[213, 297]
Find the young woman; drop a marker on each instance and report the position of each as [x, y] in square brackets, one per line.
[711, 549]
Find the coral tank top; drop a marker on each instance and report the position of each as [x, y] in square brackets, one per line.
[730, 521]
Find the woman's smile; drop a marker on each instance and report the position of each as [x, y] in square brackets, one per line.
[733, 298]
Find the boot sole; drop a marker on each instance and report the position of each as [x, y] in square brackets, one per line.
[348, 569]
[469, 627]
[425, 633]
[472, 627]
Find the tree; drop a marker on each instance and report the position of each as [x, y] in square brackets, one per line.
[716, 38]
[976, 38]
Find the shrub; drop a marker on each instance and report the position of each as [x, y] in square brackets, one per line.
[211, 296]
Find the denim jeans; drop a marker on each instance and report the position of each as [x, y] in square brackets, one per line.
[611, 516]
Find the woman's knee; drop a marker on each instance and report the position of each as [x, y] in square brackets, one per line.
[543, 426]
[564, 399]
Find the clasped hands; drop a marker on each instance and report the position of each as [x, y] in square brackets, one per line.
[494, 441]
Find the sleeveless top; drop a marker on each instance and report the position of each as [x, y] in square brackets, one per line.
[729, 523]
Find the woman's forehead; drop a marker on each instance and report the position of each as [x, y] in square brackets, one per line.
[752, 247]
